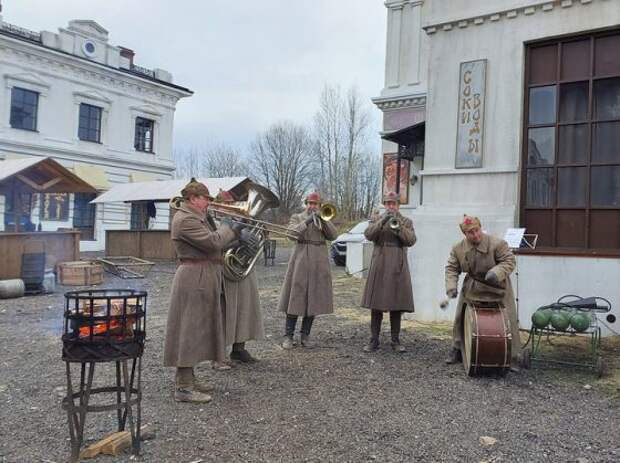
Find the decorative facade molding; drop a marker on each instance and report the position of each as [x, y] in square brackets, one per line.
[400, 101]
[86, 71]
[540, 7]
[76, 155]
[398, 4]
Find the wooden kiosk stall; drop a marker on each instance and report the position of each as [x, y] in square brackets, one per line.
[141, 240]
[20, 181]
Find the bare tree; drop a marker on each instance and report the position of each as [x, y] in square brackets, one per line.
[341, 130]
[212, 161]
[188, 163]
[224, 161]
[282, 161]
[329, 131]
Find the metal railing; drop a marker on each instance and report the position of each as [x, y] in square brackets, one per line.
[143, 71]
[20, 32]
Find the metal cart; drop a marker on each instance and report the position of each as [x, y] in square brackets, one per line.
[533, 351]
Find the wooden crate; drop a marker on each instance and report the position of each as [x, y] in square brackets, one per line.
[126, 266]
[80, 273]
[57, 246]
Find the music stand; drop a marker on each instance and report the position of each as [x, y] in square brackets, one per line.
[517, 239]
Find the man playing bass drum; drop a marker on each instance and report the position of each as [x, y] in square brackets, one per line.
[487, 262]
[388, 287]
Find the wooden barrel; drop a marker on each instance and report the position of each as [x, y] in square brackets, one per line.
[12, 288]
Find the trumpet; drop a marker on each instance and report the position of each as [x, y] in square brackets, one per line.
[394, 224]
[326, 213]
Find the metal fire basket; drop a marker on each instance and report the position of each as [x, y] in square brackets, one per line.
[107, 325]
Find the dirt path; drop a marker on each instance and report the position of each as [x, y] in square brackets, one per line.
[333, 403]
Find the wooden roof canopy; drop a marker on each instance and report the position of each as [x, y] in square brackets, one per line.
[40, 176]
[409, 138]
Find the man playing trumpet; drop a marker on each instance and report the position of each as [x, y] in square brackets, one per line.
[388, 287]
[307, 288]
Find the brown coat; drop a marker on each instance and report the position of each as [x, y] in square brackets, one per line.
[243, 317]
[195, 328]
[388, 286]
[491, 254]
[307, 288]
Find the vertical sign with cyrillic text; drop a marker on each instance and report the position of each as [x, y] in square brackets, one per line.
[470, 126]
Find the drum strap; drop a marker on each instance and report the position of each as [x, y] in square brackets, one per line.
[483, 281]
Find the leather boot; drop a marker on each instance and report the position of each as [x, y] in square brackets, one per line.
[306, 326]
[184, 390]
[376, 317]
[372, 345]
[202, 385]
[240, 354]
[454, 356]
[288, 343]
[291, 321]
[395, 318]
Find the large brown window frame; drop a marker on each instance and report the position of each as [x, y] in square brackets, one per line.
[551, 246]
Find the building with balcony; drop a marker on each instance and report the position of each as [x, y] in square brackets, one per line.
[73, 96]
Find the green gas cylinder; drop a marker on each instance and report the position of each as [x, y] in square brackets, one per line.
[580, 321]
[541, 317]
[560, 320]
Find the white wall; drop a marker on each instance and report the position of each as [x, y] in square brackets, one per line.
[541, 280]
[465, 31]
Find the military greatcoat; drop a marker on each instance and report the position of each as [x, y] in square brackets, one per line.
[244, 321]
[307, 288]
[476, 260]
[195, 328]
[388, 286]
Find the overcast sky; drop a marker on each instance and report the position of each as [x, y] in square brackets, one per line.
[250, 63]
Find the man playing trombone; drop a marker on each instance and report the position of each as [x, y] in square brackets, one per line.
[195, 327]
[388, 287]
[307, 288]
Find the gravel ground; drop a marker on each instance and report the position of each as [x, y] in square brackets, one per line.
[333, 403]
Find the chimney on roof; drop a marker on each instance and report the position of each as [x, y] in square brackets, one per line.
[127, 53]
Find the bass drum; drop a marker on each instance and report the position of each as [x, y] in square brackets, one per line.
[486, 338]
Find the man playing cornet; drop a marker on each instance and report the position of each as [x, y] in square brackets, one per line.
[388, 287]
[307, 288]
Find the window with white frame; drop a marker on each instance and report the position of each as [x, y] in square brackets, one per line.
[89, 127]
[24, 108]
[144, 134]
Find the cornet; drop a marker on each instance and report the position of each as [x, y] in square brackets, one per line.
[394, 224]
[326, 213]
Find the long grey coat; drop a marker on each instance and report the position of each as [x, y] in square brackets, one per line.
[195, 328]
[307, 288]
[244, 321]
[491, 254]
[388, 286]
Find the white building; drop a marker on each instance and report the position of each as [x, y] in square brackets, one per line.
[510, 111]
[73, 96]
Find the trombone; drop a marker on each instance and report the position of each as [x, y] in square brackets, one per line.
[236, 214]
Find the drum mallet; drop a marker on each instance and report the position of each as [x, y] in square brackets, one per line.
[443, 305]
